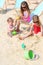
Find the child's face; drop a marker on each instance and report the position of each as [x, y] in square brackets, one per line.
[10, 22]
[24, 7]
[35, 19]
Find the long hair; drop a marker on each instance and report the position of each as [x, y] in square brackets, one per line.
[27, 6]
[38, 21]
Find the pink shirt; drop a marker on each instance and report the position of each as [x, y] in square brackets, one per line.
[26, 17]
[37, 28]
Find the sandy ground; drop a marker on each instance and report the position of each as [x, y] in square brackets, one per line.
[11, 52]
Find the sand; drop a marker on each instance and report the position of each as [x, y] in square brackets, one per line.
[11, 52]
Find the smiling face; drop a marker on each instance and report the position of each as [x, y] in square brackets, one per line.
[35, 19]
[10, 22]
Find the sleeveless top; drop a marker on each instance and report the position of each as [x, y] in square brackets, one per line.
[37, 28]
[26, 17]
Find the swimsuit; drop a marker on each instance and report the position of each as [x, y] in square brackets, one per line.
[26, 17]
[37, 28]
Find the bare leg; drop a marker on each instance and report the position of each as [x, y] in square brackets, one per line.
[25, 36]
[25, 22]
[28, 25]
[18, 25]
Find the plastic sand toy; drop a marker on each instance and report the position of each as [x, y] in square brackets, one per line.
[14, 33]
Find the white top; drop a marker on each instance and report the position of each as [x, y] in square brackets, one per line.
[25, 14]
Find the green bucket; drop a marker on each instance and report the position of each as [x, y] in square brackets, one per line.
[26, 55]
[29, 54]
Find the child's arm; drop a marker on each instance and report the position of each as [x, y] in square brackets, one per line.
[21, 15]
[27, 35]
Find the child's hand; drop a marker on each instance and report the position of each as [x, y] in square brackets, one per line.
[17, 18]
[21, 38]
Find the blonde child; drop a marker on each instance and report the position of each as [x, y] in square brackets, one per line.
[12, 26]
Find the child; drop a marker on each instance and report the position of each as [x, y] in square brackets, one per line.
[36, 28]
[11, 26]
[25, 12]
[24, 16]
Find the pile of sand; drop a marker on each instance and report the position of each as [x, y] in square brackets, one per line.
[11, 52]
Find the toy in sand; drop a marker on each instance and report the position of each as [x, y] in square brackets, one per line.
[23, 46]
[29, 54]
[17, 18]
[14, 32]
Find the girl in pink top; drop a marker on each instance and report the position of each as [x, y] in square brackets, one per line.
[25, 12]
[36, 28]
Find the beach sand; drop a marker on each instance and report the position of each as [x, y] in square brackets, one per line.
[11, 52]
